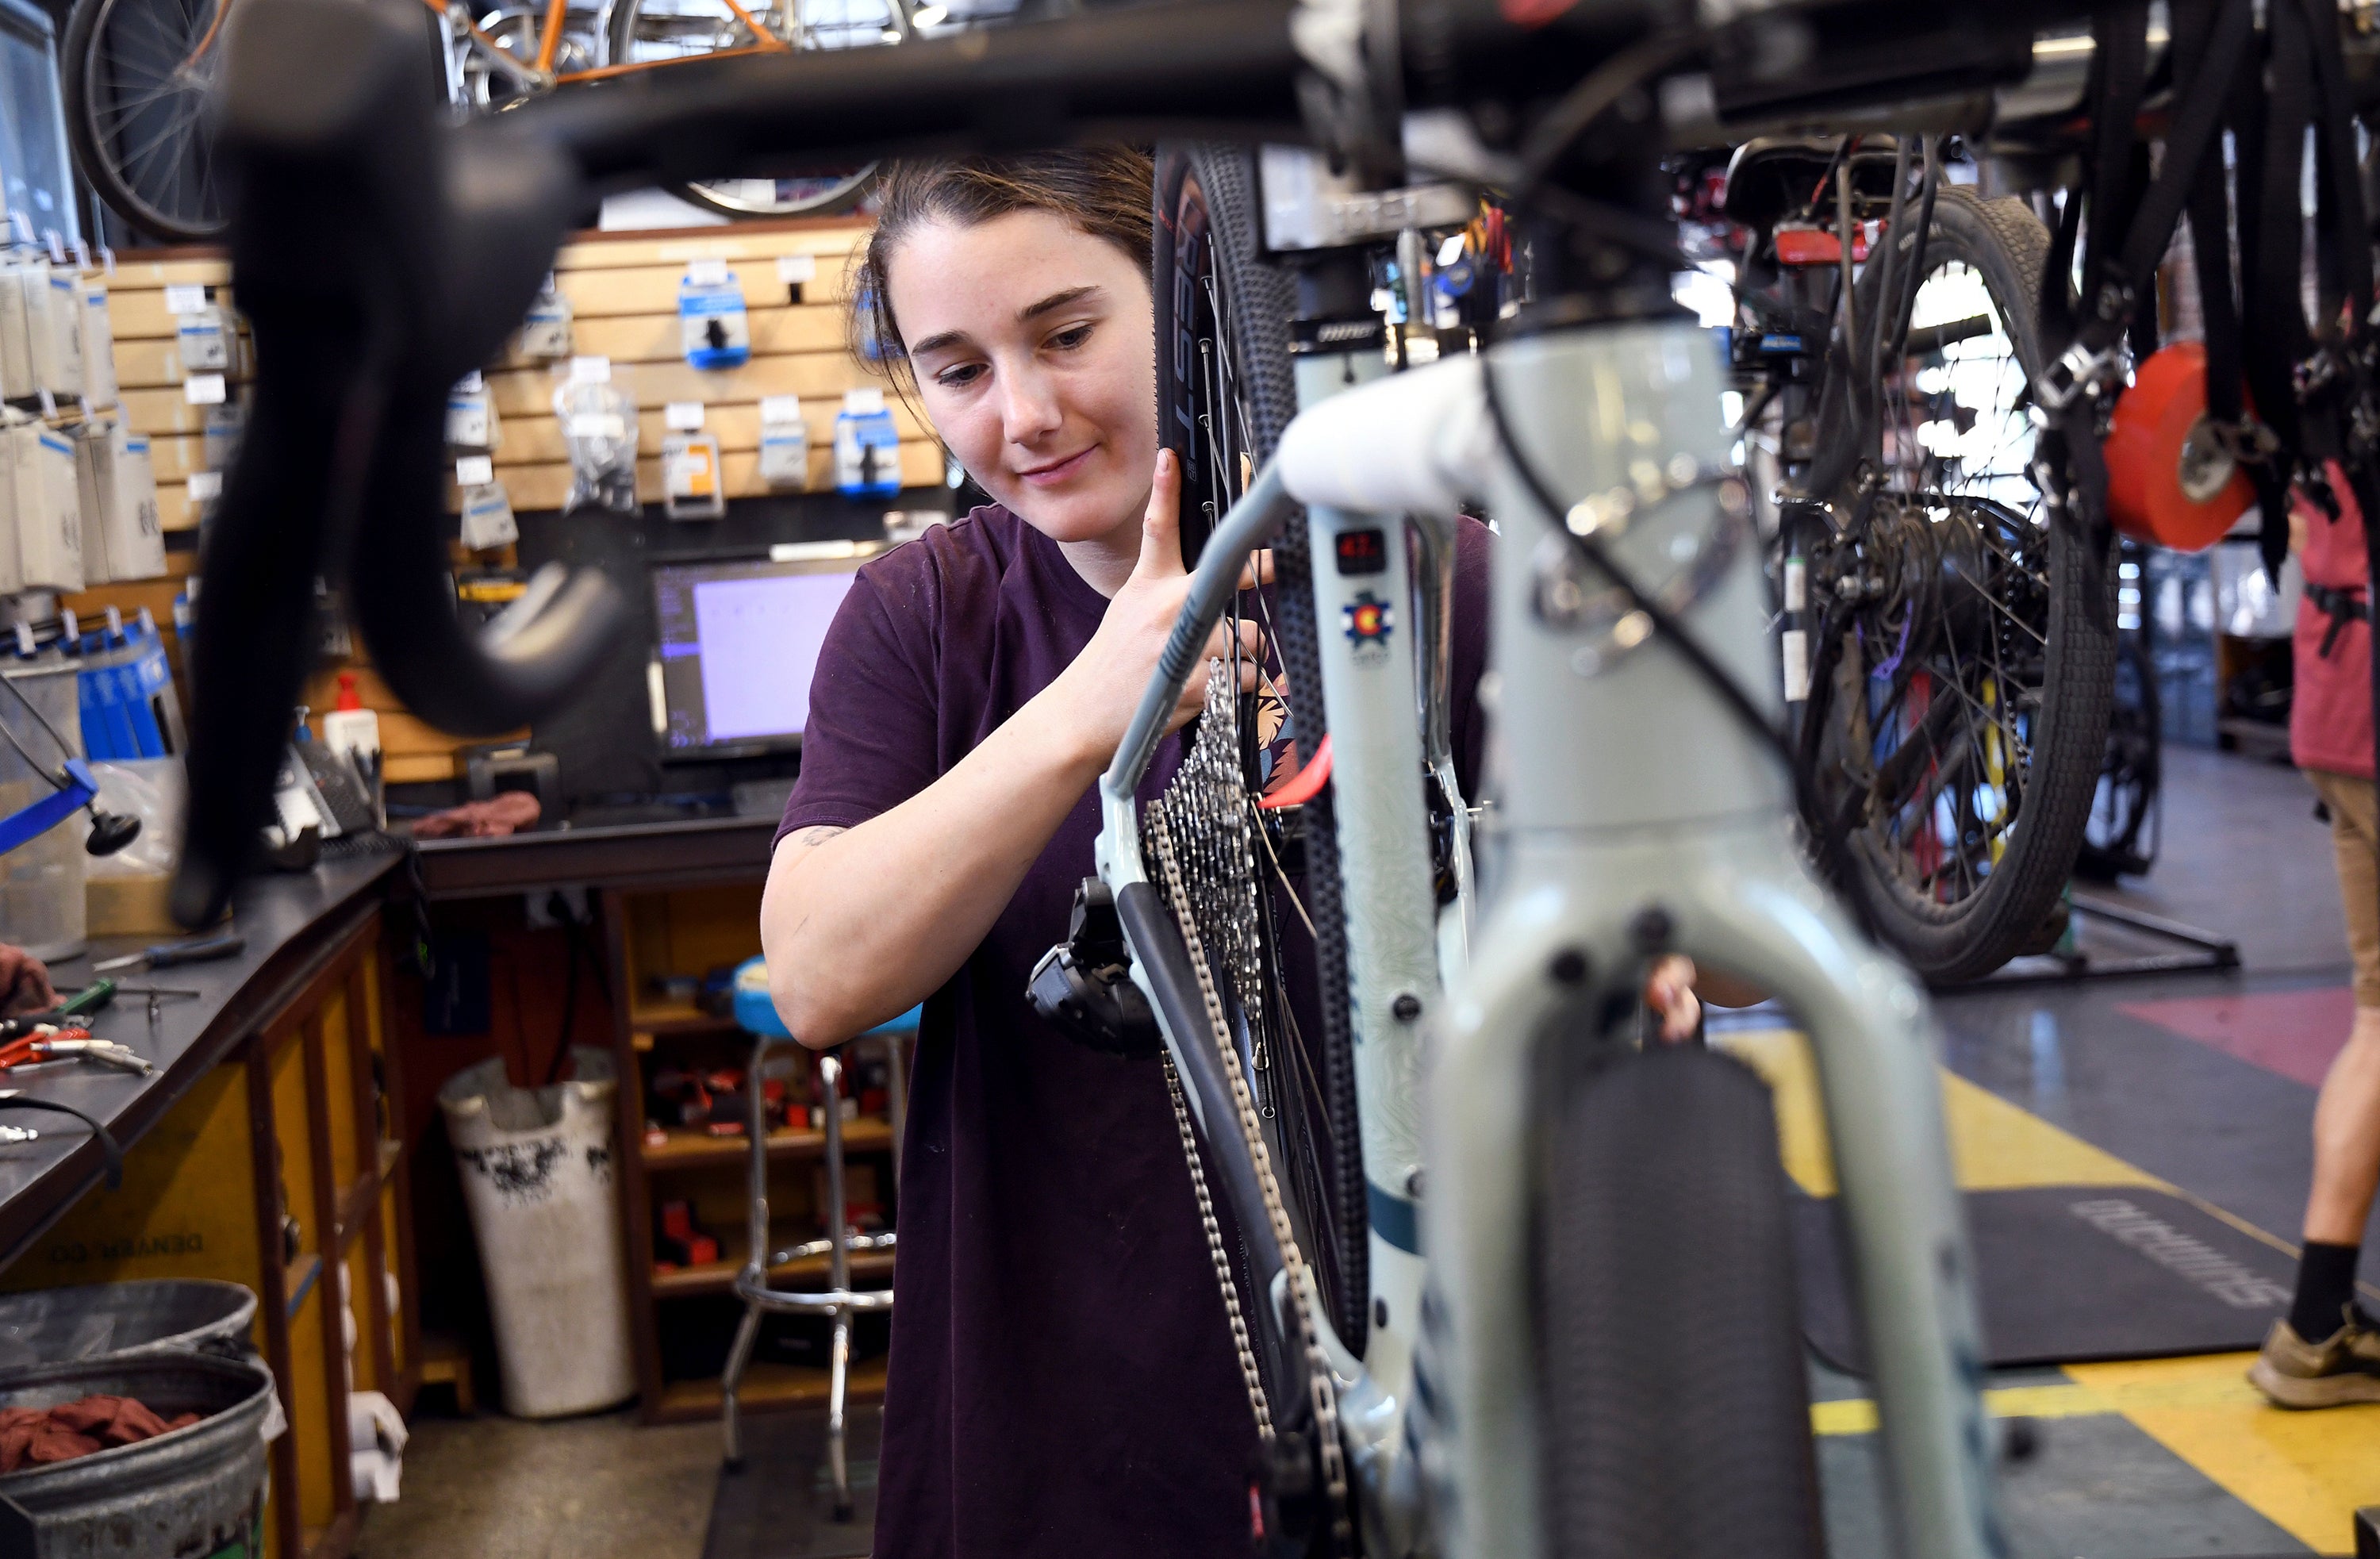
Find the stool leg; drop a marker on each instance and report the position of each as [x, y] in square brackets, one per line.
[730, 1425]
[839, 1360]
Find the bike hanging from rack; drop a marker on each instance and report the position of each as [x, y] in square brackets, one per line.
[140, 76]
[1503, 1377]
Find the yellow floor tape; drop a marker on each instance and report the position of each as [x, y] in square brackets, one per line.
[2305, 1472]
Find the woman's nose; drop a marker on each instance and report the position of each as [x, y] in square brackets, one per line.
[1028, 409]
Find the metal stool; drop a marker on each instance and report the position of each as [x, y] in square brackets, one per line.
[839, 1302]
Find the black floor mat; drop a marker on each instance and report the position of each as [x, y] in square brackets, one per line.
[2069, 1274]
[780, 1504]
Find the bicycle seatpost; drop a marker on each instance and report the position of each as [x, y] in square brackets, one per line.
[378, 258]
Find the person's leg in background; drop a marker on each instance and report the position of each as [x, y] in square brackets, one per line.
[2328, 1351]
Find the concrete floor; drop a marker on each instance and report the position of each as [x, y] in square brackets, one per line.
[2211, 1112]
[594, 1487]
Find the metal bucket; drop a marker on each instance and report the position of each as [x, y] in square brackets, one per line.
[194, 1492]
[112, 1320]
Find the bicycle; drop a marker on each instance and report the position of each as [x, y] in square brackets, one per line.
[1489, 1412]
[140, 74]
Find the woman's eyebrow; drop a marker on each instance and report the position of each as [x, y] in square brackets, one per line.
[1056, 300]
[1030, 311]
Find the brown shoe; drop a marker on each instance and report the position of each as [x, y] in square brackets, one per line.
[2342, 1368]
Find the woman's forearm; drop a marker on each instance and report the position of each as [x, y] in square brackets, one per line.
[862, 924]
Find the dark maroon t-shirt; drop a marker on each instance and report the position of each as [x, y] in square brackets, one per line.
[1063, 1378]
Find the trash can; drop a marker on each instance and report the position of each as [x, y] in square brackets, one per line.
[110, 1320]
[537, 1173]
[193, 1491]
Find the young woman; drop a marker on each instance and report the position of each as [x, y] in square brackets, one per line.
[1063, 1378]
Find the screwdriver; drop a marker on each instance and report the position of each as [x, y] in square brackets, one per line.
[167, 954]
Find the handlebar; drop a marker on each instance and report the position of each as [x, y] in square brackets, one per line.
[381, 254]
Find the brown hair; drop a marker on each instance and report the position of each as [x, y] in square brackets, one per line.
[1104, 190]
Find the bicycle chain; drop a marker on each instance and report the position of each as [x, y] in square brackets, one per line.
[1318, 1365]
[1249, 1373]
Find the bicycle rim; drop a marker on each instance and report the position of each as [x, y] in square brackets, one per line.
[137, 88]
[1963, 667]
[1224, 394]
[661, 30]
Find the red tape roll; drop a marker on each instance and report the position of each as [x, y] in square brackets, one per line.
[2171, 479]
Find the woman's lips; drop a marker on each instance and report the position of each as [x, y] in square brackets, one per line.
[1049, 476]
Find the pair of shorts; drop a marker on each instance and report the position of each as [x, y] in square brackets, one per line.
[2355, 836]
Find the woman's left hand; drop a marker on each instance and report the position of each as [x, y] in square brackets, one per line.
[1669, 991]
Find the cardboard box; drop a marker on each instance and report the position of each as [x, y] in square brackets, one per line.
[66, 326]
[95, 482]
[53, 329]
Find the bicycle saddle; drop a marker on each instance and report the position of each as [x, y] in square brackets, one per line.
[378, 261]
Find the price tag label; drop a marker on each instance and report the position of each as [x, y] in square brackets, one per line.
[683, 415]
[707, 272]
[82, 255]
[203, 389]
[598, 424]
[49, 404]
[107, 259]
[22, 226]
[471, 383]
[781, 409]
[474, 471]
[590, 371]
[57, 246]
[795, 269]
[205, 486]
[24, 638]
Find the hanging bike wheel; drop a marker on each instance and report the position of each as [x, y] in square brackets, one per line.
[1224, 394]
[138, 79]
[1963, 662]
[653, 30]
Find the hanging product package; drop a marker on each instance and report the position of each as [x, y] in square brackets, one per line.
[57, 332]
[713, 326]
[691, 484]
[99, 385]
[487, 509]
[785, 442]
[545, 330]
[48, 505]
[221, 429]
[471, 414]
[599, 429]
[16, 336]
[204, 343]
[866, 446]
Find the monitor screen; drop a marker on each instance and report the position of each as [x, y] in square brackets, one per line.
[739, 641]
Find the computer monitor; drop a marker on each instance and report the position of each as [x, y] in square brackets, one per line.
[739, 641]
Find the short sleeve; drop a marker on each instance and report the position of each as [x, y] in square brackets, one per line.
[870, 743]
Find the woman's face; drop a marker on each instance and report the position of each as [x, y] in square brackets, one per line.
[1035, 349]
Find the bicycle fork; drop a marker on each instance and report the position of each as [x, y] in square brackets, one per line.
[1636, 815]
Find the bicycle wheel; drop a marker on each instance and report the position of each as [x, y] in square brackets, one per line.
[2121, 837]
[1962, 661]
[1676, 1419]
[138, 77]
[647, 31]
[1224, 393]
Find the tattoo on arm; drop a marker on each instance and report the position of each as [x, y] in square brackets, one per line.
[810, 838]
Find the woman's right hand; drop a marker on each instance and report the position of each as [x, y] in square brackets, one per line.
[1102, 688]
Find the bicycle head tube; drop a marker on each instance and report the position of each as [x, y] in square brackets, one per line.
[379, 256]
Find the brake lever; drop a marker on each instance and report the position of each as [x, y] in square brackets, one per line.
[379, 255]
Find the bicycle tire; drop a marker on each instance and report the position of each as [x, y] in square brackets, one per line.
[1676, 1415]
[82, 91]
[1966, 939]
[844, 193]
[1206, 216]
